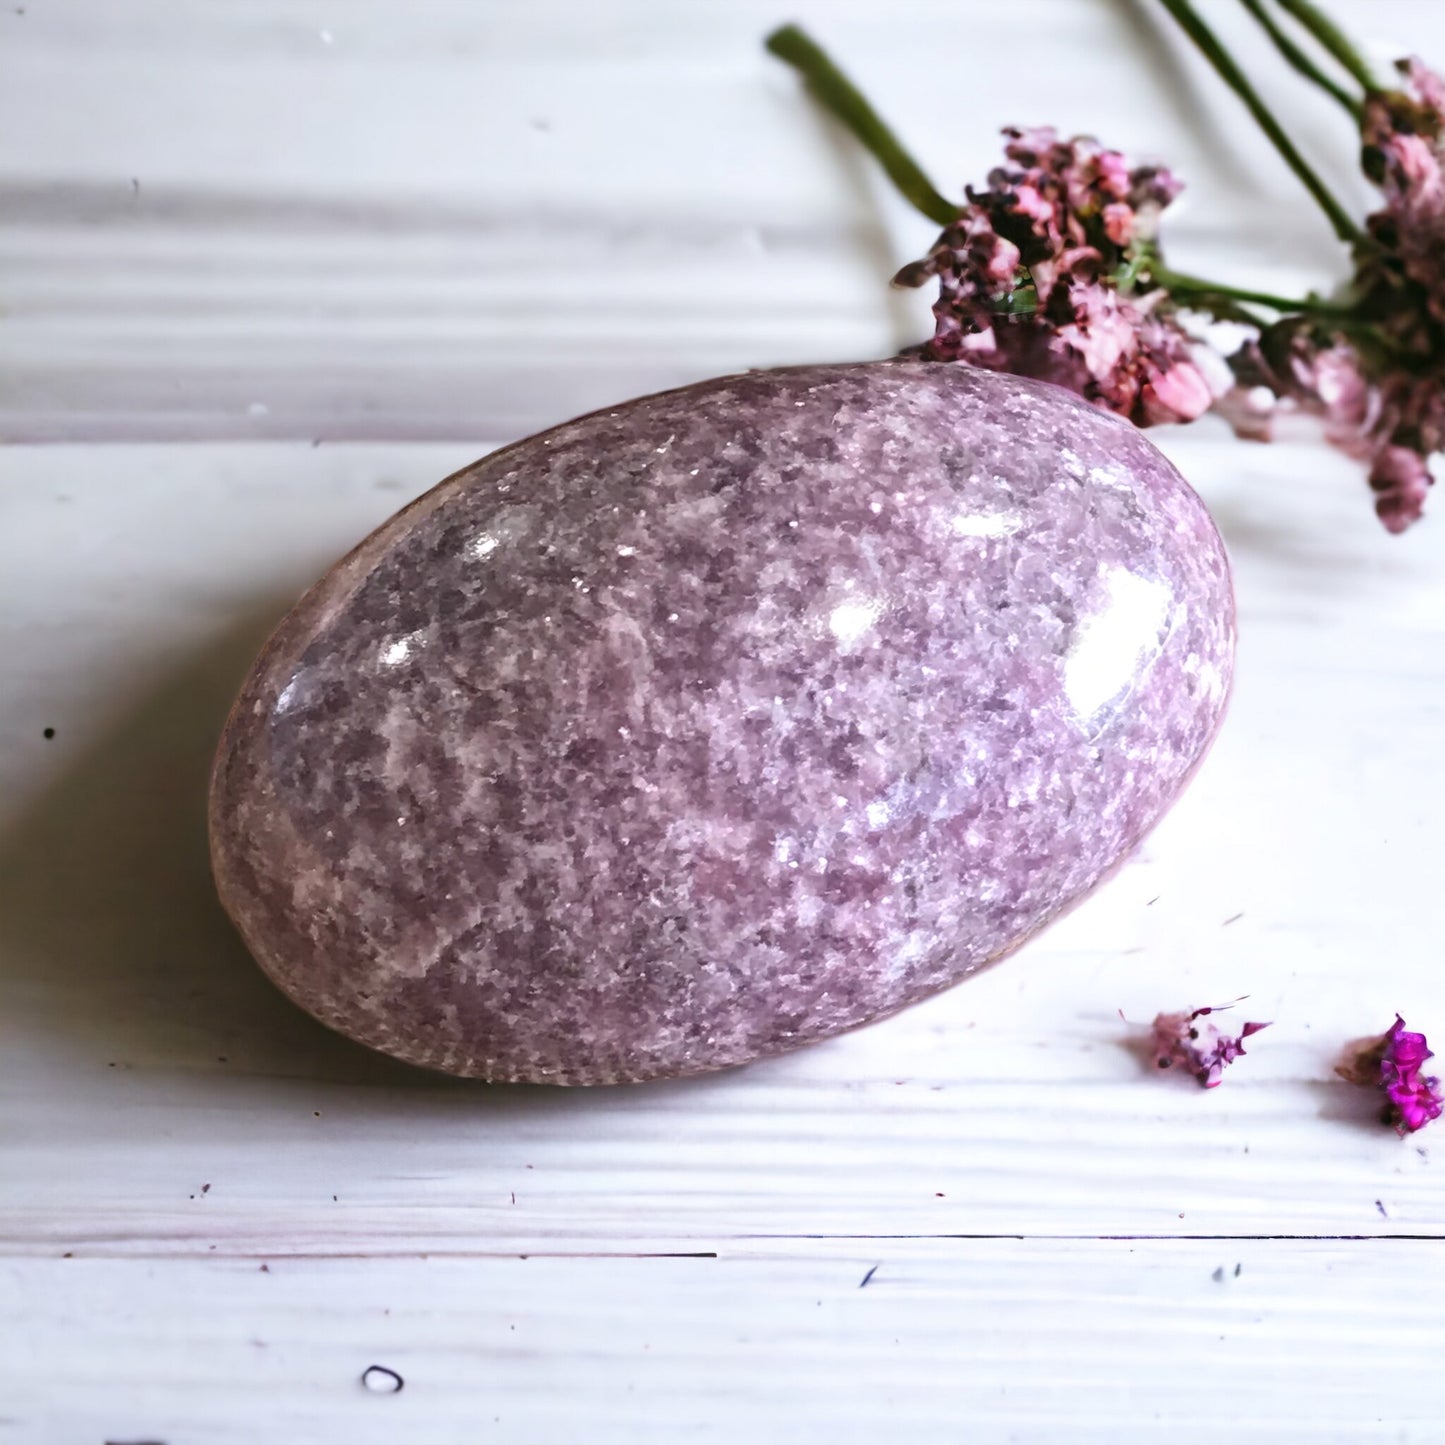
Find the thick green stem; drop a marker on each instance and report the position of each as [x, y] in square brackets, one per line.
[1230, 73]
[838, 95]
[1332, 38]
[1180, 285]
[1301, 62]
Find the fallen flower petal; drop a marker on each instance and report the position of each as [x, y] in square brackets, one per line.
[1202, 1049]
[1392, 1063]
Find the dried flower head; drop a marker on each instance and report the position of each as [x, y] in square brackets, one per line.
[1040, 276]
[1054, 271]
[1374, 371]
[1392, 1063]
[1402, 134]
[1192, 1041]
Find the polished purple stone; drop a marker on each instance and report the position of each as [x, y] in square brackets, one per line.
[722, 721]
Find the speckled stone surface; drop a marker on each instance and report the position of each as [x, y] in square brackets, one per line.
[726, 720]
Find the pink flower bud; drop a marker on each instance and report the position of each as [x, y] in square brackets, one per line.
[1179, 394]
[1119, 223]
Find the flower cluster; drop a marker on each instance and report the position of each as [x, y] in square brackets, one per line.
[1401, 281]
[1403, 136]
[1392, 1063]
[1054, 272]
[1200, 1048]
[1038, 276]
[1054, 269]
[1374, 371]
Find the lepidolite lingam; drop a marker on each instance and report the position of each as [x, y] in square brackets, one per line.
[722, 721]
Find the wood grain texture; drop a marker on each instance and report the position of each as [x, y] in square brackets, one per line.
[140, 1038]
[987, 1341]
[457, 221]
[355, 219]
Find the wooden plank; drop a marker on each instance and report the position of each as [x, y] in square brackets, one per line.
[144, 1056]
[442, 220]
[993, 1341]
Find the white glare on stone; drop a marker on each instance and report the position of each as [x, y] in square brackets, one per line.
[1108, 645]
[485, 545]
[987, 524]
[398, 652]
[850, 620]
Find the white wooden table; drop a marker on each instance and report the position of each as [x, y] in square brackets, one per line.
[230, 231]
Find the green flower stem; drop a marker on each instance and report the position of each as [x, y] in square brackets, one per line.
[1301, 62]
[1332, 38]
[1180, 284]
[1230, 73]
[838, 95]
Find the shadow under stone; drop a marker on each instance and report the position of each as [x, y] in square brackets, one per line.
[113, 944]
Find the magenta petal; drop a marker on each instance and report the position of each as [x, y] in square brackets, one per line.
[1392, 1063]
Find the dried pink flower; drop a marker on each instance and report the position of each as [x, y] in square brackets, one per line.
[1375, 372]
[1403, 151]
[1400, 477]
[1037, 277]
[1054, 271]
[1392, 1062]
[1201, 1049]
[1388, 414]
